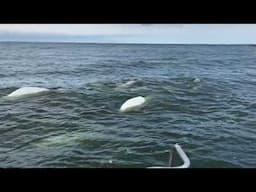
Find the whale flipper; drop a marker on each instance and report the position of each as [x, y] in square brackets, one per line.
[132, 103]
[27, 91]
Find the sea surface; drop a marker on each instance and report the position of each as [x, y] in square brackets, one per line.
[202, 97]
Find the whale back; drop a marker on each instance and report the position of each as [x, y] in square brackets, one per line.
[27, 91]
[132, 103]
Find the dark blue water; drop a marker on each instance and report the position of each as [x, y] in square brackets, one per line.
[200, 96]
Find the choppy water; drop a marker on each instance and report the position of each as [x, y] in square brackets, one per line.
[202, 97]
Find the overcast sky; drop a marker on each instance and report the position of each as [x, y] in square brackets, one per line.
[131, 33]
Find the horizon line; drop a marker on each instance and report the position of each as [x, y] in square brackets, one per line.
[66, 42]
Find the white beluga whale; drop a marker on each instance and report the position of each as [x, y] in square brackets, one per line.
[72, 138]
[24, 91]
[59, 140]
[133, 103]
[128, 83]
[196, 80]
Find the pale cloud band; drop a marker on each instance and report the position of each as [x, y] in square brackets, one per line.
[87, 29]
[134, 33]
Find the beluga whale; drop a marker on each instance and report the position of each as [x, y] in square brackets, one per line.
[196, 80]
[25, 91]
[132, 104]
[128, 83]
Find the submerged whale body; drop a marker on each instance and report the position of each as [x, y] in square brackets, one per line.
[128, 83]
[27, 91]
[132, 103]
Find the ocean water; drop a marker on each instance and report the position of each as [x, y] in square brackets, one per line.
[200, 96]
